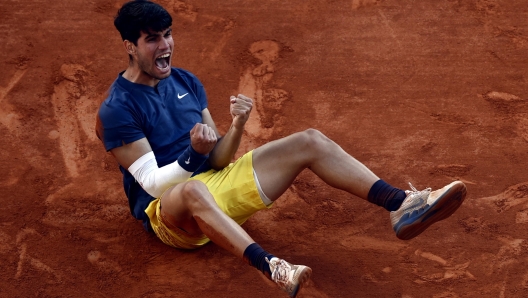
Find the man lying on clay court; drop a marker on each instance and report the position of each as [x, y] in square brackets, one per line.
[178, 172]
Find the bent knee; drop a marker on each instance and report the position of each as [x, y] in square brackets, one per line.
[195, 193]
[313, 138]
[193, 188]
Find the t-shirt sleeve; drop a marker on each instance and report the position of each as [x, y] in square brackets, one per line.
[118, 124]
[200, 94]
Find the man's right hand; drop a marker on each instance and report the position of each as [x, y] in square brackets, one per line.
[203, 138]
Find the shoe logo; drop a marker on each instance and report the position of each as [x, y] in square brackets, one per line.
[416, 205]
[182, 96]
[188, 161]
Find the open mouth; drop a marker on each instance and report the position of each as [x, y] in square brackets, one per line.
[163, 61]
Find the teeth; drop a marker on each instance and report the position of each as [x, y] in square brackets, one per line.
[164, 56]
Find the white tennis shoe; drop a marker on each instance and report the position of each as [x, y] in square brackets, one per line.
[420, 209]
[288, 277]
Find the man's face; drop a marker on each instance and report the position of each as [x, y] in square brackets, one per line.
[154, 53]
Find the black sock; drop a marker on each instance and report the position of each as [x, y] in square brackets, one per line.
[386, 196]
[256, 257]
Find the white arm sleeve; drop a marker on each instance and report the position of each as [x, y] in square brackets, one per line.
[156, 180]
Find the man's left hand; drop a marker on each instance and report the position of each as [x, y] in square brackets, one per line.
[240, 109]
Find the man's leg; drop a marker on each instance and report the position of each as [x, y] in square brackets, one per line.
[191, 208]
[279, 162]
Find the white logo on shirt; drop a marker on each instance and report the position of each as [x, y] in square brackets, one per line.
[188, 161]
[182, 96]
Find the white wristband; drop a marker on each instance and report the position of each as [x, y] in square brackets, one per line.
[156, 180]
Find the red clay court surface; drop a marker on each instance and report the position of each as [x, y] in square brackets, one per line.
[420, 91]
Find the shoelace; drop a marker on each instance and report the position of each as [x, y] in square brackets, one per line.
[410, 206]
[415, 192]
[280, 272]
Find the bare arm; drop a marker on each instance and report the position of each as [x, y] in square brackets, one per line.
[127, 154]
[226, 148]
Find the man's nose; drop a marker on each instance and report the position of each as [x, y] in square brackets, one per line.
[164, 44]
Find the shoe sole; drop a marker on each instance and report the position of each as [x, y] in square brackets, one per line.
[304, 276]
[444, 207]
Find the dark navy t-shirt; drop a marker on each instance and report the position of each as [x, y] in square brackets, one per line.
[164, 114]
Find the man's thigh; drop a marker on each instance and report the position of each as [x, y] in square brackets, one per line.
[171, 234]
[234, 189]
[279, 162]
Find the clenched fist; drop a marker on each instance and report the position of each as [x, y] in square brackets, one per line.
[203, 138]
[240, 108]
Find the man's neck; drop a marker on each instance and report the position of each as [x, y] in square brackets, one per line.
[136, 75]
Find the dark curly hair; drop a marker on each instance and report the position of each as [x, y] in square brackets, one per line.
[139, 16]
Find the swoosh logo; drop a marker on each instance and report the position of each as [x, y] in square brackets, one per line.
[182, 96]
[416, 205]
[188, 161]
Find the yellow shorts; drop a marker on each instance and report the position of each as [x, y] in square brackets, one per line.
[234, 190]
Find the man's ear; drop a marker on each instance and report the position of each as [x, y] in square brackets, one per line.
[129, 47]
